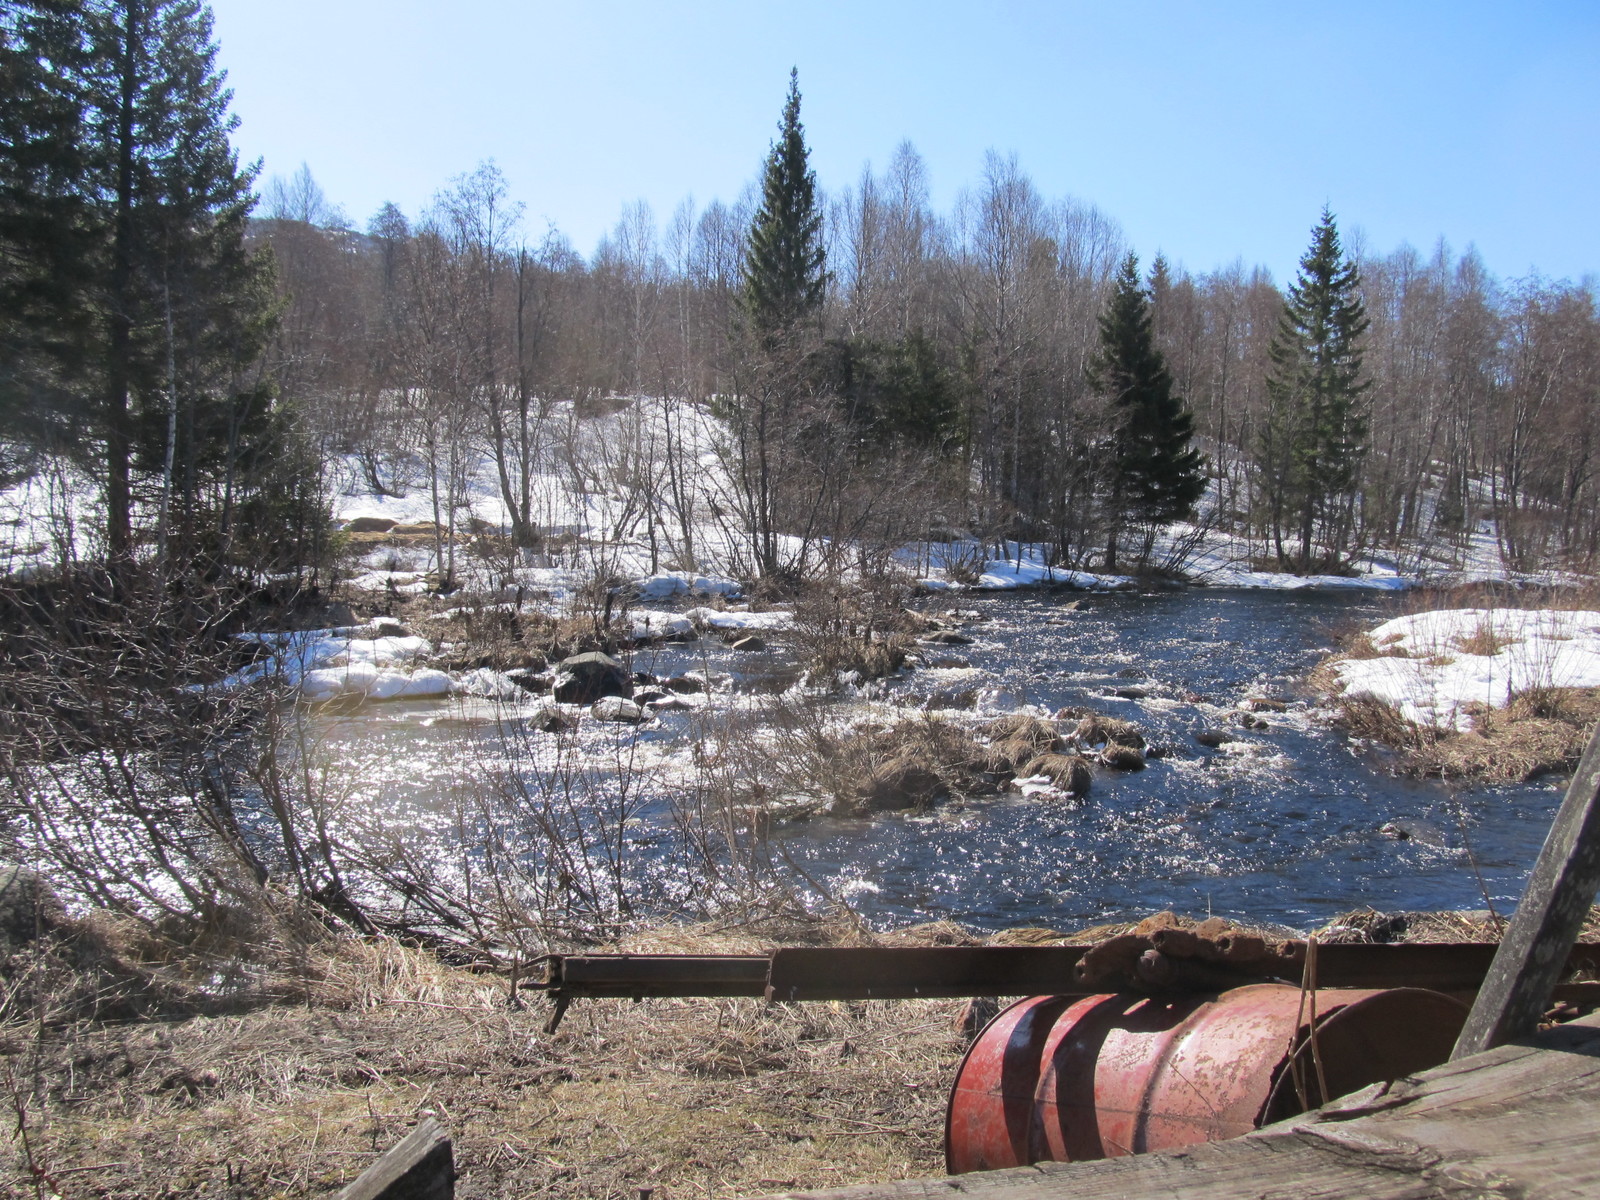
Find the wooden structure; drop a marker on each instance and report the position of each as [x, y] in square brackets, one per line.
[420, 1167]
[1533, 954]
[1521, 1120]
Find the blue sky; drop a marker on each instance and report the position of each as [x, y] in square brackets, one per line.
[1210, 131]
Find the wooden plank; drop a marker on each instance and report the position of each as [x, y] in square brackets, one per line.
[420, 1167]
[1533, 952]
[1522, 1120]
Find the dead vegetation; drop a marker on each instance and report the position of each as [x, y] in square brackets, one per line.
[1543, 730]
[691, 1098]
[1539, 733]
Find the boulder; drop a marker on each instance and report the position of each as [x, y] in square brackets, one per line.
[28, 908]
[1123, 758]
[1262, 704]
[529, 681]
[369, 525]
[585, 678]
[1131, 693]
[620, 710]
[688, 685]
[671, 704]
[547, 718]
[1069, 772]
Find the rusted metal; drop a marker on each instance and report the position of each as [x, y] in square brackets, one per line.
[915, 972]
[1175, 961]
[635, 976]
[1068, 1079]
[1407, 1030]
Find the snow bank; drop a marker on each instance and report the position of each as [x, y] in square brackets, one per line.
[1004, 575]
[1432, 666]
[716, 619]
[360, 660]
[678, 583]
[373, 683]
[647, 624]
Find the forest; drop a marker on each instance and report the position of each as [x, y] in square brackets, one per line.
[202, 354]
[951, 366]
[335, 786]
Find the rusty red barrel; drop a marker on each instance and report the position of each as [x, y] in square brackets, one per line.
[1062, 1079]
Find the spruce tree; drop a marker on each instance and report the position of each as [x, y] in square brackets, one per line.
[1314, 437]
[784, 264]
[132, 304]
[47, 239]
[784, 278]
[1155, 475]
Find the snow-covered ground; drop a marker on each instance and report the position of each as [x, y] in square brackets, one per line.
[373, 662]
[600, 487]
[1434, 666]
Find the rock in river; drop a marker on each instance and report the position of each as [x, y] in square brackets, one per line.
[617, 708]
[585, 678]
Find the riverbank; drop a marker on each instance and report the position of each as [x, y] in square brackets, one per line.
[691, 1098]
[1473, 694]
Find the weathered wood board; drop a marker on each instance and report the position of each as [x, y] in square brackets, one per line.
[1522, 1120]
[420, 1167]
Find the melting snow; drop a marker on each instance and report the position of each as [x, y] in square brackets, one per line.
[1433, 666]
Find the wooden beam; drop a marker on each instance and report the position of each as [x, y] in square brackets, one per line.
[1533, 952]
[420, 1167]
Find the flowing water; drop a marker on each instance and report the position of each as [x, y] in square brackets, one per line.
[1285, 824]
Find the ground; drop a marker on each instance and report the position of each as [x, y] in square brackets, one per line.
[689, 1098]
[1475, 692]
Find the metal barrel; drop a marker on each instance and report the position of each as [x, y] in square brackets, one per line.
[1068, 1079]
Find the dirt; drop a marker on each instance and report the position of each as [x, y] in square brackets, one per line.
[689, 1098]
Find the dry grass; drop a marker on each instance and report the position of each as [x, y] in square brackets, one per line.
[1484, 641]
[1542, 730]
[691, 1097]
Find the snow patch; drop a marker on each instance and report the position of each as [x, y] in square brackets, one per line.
[1434, 666]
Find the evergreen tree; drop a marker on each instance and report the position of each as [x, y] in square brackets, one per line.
[47, 242]
[1154, 475]
[784, 277]
[134, 307]
[784, 264]
[1314, 437]
[898, 392]
[187, 306]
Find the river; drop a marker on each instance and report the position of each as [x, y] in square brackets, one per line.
[1286, 824]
